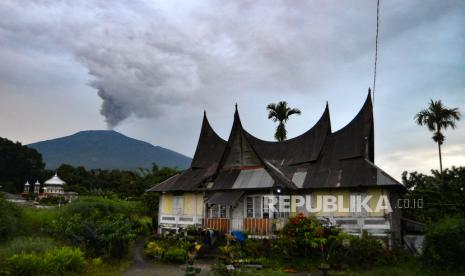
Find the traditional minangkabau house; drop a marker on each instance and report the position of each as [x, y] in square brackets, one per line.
[225, 186]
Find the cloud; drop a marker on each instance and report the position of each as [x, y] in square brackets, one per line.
[146, 57]
[422, 159]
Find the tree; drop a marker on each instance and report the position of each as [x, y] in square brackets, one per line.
[280, 112]
[18, 164]
[437, 200]
[437, 118]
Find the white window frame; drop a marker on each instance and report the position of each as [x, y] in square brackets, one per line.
[254, 199]
[278, 214]
[218, 208]
[263, 207]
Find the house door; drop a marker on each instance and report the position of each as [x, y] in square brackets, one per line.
[237, 216]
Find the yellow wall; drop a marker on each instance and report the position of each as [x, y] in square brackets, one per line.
[192, 205]
[346, 204]
[166, 203]
[200, 204]
[375, 192]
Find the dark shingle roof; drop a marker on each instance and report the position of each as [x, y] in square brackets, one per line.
[303, 148]
[322, 159]
[209, 149]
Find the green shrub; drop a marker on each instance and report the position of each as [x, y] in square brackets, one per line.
[175, 255]
[103, 227]
[305, 236]
[53, 200]
[11, 219]
[64, 259]
[354, 251]
[37, 220]
[366, 251]
[26, 245]
[154, 248]
[56, 261]
[219, 269]
[444, 246]
[99, 206]
[26, 264]
[254, 248]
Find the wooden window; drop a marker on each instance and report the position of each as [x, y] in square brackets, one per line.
[249, 207]
[178, 204]
[217, 211]
[266, 209]
[281, 214]
[222, 211]
[255, 207]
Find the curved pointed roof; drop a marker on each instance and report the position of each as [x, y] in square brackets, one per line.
[356, 139]
[210, 147]
[301, 149]
[55, 180]
[319, 158]
[272, 155]
[37, 183]
[207, 156]
[27, 183]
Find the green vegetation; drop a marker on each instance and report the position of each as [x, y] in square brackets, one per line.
[306, 245]
[57, 261]
[103, 227]
[443, 195]
[81, 237]
[444, 246]
[99, 228]
[110, 268]
[281, 112]
[10, 219]
[172, 248]
[112, 183]
[17, 163]
[175, 255]
[443, 198]
[26, 245]
[437, 118]
[53, 200]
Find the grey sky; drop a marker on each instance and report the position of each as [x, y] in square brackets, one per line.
[149, 69]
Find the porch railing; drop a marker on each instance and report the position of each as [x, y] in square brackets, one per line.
[222, 225]
[253, 226]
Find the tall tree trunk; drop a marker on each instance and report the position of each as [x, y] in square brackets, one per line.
[440, 157]
[280, 134]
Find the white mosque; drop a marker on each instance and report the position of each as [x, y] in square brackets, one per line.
[53, 186]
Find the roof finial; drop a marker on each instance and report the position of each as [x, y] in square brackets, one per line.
[204, 113]
[236, 106]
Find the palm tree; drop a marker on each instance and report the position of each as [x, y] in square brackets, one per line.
[280, 112]
[438, 117]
